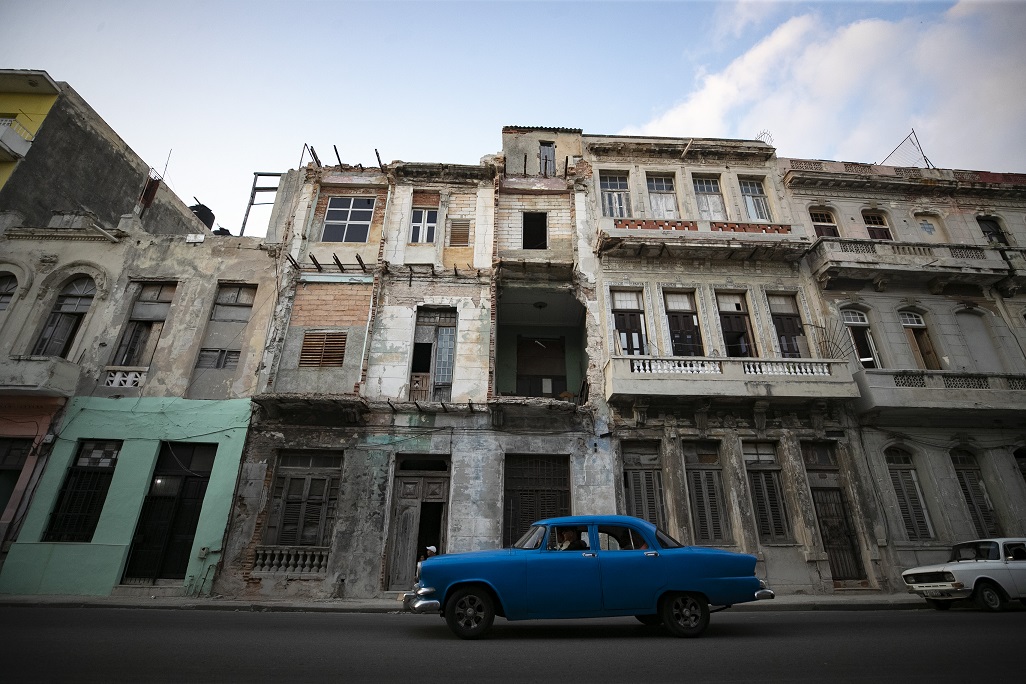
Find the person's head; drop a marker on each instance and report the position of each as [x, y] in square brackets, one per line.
[567, 534]
[431, 551]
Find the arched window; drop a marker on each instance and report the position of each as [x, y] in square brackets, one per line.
[983, 355]
[8, 286]
[910, 497]
[876, 225]
[992, 230]
[974, 489]
[65, 319]
[919, 340]
[824, 222]
[861, 337]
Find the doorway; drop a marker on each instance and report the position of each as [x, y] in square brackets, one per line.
[420, 492]
[839, 540]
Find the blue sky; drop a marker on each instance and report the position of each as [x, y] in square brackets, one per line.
[231, 87]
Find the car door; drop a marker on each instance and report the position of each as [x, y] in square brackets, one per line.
[1015, 557]
[563, 583]
[633, 570]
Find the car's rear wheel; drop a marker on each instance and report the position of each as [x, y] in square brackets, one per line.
[649, 620]
[989, 597]
[470, 612]
[684, 615]
[938, 605]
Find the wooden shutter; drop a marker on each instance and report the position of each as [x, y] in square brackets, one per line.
[459, 233]
[979, 509]
[705, 506]
[684, 334]
[910, 504]
[644, 494]
[769, 508]
[323, 349]
[631, 331]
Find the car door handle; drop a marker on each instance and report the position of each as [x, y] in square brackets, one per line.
[588, 554]
[653, 554]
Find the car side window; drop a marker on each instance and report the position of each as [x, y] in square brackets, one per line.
[1015, 551]
[568, 538]
[619, 538]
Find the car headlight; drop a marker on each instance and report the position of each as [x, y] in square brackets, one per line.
[949, 577]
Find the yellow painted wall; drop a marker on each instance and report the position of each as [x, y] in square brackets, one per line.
[29, 110]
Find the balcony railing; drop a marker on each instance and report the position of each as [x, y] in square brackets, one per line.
[125, 376]
[679, 376]
[291, 560]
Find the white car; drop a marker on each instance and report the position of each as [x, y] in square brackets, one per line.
[989, 571]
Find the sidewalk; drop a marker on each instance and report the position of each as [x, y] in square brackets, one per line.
[845, 601]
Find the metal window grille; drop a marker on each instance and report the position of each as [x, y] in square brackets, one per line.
[347, 219]
[81, 499]
[323, 350]
[536, 487]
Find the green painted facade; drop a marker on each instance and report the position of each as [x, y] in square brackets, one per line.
[96, 567]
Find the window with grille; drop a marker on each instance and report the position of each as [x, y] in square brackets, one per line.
[80, 501]
[234, 303]
[145, 325]
[629, 321]
[705, 486]
[992, 230]
[218, 358]
[788, 324]
[767, 495]
[682, 319]
[756, 202]
[8, 287]
[710, 201]
[459, 233]
[536, 487]
[974, 490]
[643, 482]
[857, 324]
[737, 329]
[347, 219]
[616, 199]
[323, 350]
[876, 225]
[305, 498]
[910, 497]
[823, 223]
[422, 227]
[434, 355]
[662, 196]
[65, 318]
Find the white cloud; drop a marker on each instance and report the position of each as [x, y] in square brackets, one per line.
[853, 92]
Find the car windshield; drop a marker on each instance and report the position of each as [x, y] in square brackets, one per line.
[532, 539]
[977, 550]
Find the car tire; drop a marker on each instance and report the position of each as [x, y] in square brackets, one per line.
[469, 612]
[684, 615]
[649, 620]
[938, 605]
[989, 597]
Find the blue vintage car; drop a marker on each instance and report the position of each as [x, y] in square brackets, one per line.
[586, 566]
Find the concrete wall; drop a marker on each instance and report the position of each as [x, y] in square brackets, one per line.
[95, 567]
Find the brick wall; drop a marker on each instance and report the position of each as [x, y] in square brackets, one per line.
[509, 218]
[331, 304]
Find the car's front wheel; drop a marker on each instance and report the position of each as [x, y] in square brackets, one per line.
[470, 612]
[685, 615]
[938, 605]
[989, 597]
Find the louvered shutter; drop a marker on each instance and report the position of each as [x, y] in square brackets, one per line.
[705, 505]
[323, 349]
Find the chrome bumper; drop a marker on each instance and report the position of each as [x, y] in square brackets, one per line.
[416, 601]
[764, 592]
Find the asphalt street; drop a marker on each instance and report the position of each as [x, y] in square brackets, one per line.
[60, 644]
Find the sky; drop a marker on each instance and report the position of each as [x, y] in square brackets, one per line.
[209, 92]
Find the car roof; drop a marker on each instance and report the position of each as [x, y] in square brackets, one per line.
[597, 520]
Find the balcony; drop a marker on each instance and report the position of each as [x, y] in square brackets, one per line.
[15, 140]
[692, 239]
[47, 376]
[629, 377]
[908, 262]
[291, 560]
[950, 398]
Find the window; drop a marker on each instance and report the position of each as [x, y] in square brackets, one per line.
[682, 319]
[535, 234]
[305, 498]
[910, 497]
[234, 303]
[434, 355]
[992, 230]
[616, 199]
[662, 197]
[422, 229]
[81, 499]
[459, 233]
[710, 201]
[218, 358]
[323, 350]
[8, 286]
[788, 324]
[767, 495]
[919, 340]
[737, 330]
[535, 487]
[819, 456]
[974, 489]
[145, 325]
[643, 482]
[629, 321]
[861, 339]
[824, 223]
[876, 225]
[547, 158]
[708, 514]
[756, 202]
[69, 310]
[348, 219]
[14, 453]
